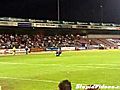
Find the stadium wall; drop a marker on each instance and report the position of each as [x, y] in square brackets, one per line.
[103, 36]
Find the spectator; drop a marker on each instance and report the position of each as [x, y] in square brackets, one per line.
[14, 50]
[26, 49]
[65, 85]
[32, 41]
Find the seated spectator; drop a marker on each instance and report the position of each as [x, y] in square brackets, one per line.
[65, 85]
[35, 41]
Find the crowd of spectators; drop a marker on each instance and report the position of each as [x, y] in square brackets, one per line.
[7, 41]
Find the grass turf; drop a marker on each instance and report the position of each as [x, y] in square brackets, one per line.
[44, 71]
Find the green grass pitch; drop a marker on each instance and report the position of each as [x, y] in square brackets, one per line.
[45, 71]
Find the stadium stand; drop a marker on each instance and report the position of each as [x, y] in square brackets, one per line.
[41, 34]
[7, 41]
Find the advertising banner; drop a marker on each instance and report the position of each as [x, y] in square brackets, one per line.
[51, 49]
[67, 48]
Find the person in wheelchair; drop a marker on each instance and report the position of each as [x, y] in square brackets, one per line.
[58, 52]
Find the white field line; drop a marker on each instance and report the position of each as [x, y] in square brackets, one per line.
[58, 64]
[8, 63]
[51, 81]
[27, 79]
[100, 66]
[34, 80]
[37, 80]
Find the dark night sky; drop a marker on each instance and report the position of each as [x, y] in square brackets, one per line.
[70, 10]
